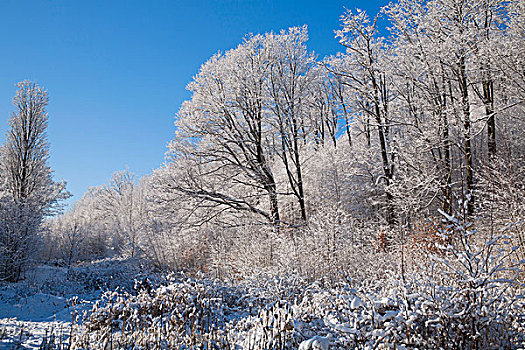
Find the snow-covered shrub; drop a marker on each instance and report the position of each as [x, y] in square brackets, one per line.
[109, 274]
[466, 296]
[184, 313]
[273, 328]
[471, 290]
[431, 311]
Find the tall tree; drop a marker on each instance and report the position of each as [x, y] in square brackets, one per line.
[223, 134]
[28, 191]
[289, 100]
[369, 81]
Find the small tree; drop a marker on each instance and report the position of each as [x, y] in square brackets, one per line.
[27, 190]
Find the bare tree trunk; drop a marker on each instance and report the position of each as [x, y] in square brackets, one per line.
[488, 101]
[381, 129]
[447, 200]
[465, 104]
[268, 179]
[299, 174]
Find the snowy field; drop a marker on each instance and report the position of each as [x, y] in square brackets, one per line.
[41, 307]
[119, 309]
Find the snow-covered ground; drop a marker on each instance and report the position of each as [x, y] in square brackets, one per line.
[170, 311]
[38, 307]
[27, 320]
[45, 302]
[31, 334]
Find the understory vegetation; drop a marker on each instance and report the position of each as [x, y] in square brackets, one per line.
[371, 199]
[464, 298]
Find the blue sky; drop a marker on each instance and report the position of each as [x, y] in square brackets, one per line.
[116, 71]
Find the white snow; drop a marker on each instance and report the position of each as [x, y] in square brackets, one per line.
[316, 342]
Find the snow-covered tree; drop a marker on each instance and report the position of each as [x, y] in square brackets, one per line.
[224, 137]
[28, 192]
[122, 208]
[289, 101]
[364, 69]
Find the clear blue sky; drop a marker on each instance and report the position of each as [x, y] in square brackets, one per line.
[116, 71]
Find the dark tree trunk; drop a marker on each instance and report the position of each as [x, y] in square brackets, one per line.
[488, 101]
[387, 171]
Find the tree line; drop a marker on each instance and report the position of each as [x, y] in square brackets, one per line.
[279, 151]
